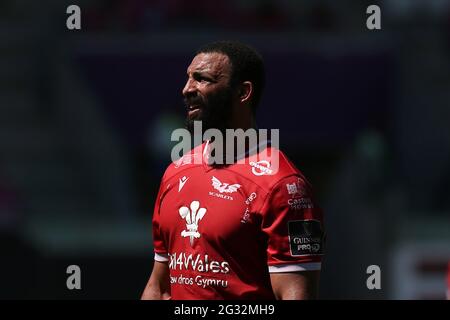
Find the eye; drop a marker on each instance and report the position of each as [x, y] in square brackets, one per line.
[201, 78]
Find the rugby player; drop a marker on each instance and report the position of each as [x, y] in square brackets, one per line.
[239, 230]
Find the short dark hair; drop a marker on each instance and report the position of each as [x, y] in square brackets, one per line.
[246, 63]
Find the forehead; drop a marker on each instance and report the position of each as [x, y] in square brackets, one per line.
[213, 62]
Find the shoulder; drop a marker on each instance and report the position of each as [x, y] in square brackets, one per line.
[187, 161]
[269, 168]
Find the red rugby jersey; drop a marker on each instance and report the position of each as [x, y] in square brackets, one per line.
[223, 230]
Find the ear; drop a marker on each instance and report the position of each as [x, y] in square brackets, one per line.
[245, 91]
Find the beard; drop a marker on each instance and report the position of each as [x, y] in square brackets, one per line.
[215, 111]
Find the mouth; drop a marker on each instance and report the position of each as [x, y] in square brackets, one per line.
[193, 107]
[193, 110]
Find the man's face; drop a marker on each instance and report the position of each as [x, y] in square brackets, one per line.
[207, 93]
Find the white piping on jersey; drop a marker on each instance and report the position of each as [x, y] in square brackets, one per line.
[309, 266]
[206, 148]
[161, 257]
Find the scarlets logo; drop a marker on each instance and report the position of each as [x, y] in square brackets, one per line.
[192, 217]
[224, 187]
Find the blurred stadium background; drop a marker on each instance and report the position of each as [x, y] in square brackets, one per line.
[86, 117]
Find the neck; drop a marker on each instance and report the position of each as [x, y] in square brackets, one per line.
[242, 118]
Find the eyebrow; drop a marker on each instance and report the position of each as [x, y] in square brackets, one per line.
[198, 72]
[203, 73]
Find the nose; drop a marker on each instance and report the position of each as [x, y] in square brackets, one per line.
[189, 88]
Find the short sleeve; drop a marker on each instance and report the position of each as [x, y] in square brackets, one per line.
[160, 249]
[293, 224]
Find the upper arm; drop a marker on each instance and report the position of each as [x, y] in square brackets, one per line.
[295, 233]
[158, 286]
[295, 285]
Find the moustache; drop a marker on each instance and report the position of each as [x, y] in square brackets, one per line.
[193, 101]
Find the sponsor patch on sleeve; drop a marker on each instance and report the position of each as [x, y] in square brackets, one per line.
[306, 237]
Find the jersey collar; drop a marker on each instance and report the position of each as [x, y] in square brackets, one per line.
[250, 152]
